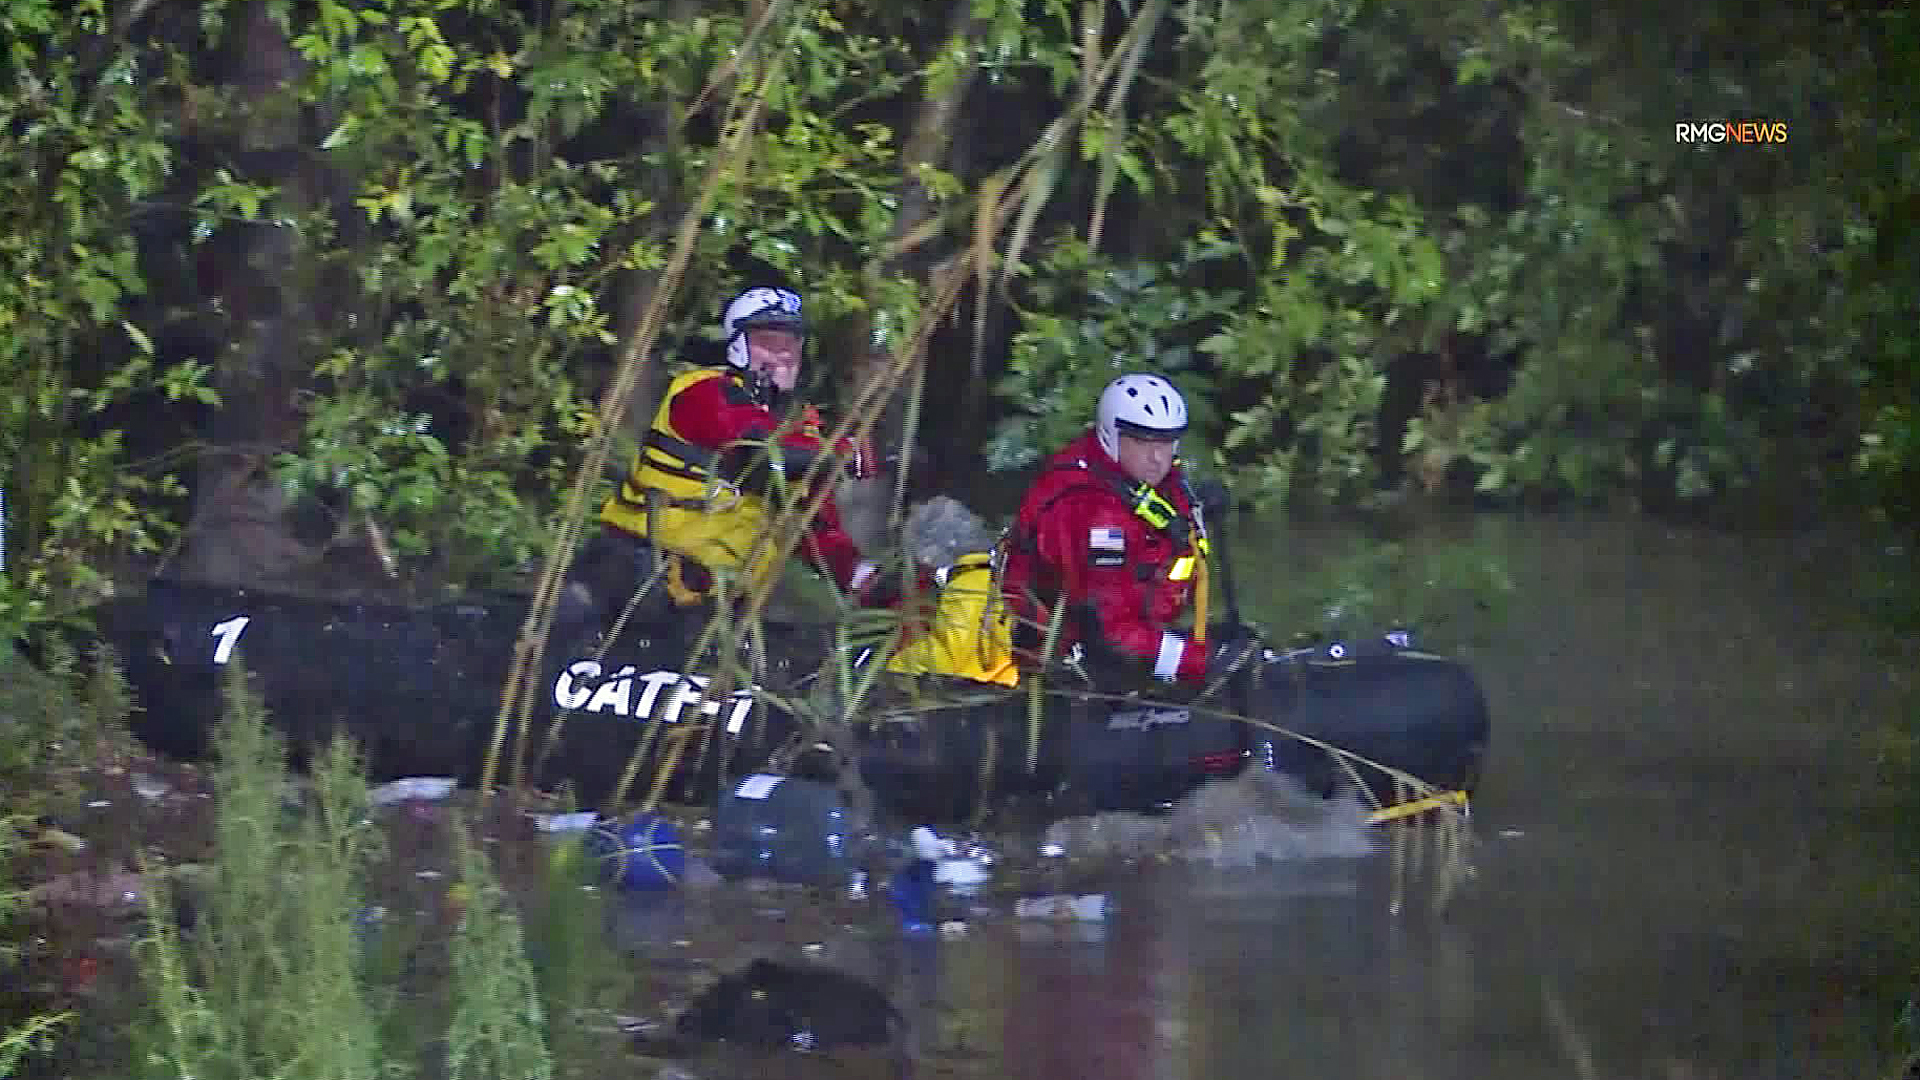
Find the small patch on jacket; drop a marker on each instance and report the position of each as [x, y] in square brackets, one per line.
[1107, 546]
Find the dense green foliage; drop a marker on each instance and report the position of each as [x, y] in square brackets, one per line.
[377, 255]
[1491, 218]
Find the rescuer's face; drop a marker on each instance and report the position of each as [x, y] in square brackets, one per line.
[776, 355]
[1147, 461]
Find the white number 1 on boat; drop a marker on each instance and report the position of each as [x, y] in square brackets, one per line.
[228, 634]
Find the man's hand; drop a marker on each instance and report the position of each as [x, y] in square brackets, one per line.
[858, 454]
[1233, 648]
[882, 590]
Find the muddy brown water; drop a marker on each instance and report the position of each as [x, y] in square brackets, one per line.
[1685, 860]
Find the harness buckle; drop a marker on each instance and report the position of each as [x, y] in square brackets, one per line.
[1152, 507]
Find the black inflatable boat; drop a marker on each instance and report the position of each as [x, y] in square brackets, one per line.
[419, 689]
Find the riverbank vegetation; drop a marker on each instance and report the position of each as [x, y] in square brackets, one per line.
[344, 280]
[364, 295]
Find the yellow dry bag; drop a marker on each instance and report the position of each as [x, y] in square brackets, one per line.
[970, 635]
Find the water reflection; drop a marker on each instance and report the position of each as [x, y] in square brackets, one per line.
[1676, 876]
[1284, 971]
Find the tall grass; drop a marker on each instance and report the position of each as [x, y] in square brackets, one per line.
[283, 974]
[33, 1034]
[499, 1023]
[577, 971]
[268, 983]
[57, 719]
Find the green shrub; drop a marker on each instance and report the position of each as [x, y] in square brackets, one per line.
[56, 719]
[285, 973]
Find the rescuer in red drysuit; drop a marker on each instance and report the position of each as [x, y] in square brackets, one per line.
[686, 497]
[1111, 527]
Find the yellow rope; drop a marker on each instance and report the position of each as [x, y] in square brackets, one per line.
[1200, 602]
[1418, 806]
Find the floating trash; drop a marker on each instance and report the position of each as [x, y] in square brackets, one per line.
[928, 845]
[644, 854]
[783, 828]
[963, 876]
[912, 894]
[53, 836]
[149, 788]
[802, 1006]
[420, 788]
[559, 823]
[1091, 907]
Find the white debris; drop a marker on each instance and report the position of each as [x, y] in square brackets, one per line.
[424, 788]
[148, 787]
[929, 846]
[960, 874]
[1090, 907]
[580, 822]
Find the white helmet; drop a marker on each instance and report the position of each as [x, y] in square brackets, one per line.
[759, 308]
[1144, 406]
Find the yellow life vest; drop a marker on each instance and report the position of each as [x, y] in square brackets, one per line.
[971, 633]
[672, 497]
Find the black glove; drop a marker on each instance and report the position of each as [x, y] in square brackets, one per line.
[882, 590]
[1235, 648]
[1211, 494]
[750, 465]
